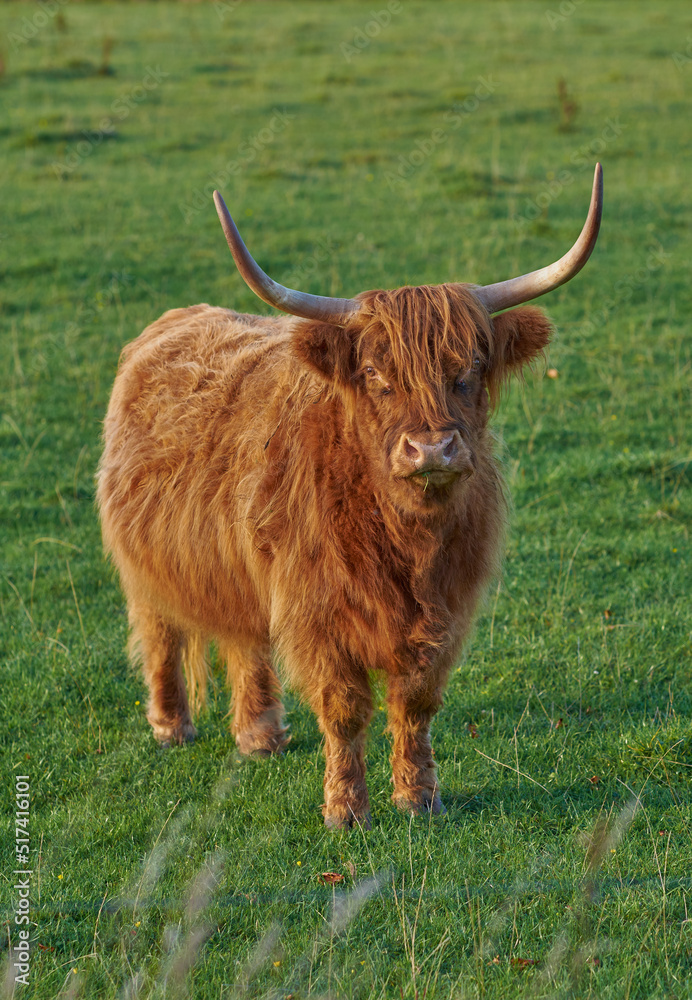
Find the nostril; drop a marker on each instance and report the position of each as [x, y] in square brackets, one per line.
[450, 448]
[411, 450]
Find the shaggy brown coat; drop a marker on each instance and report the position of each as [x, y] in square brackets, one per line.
[254, 490]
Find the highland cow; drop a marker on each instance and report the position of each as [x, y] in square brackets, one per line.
[318, 491]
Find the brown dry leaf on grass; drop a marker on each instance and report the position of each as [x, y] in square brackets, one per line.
[330, 878]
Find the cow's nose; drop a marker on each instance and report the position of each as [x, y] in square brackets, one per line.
[434, 453]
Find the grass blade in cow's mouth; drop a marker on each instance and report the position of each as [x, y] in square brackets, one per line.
[437, 477]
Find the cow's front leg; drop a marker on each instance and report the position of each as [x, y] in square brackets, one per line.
[343, 706]
[411, 704]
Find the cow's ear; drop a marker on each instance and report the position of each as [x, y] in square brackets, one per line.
[326, 349]
[521, 335]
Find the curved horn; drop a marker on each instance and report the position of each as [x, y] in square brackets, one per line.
[512, 292]
[297, 303]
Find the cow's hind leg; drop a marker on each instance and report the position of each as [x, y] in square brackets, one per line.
[343, 705]
[158, 644]
[258, 713]
[411, 707]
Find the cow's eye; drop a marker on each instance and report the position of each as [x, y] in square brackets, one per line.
[466, 381]
[377, 382]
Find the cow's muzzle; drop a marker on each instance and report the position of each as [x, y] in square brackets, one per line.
[434, 458]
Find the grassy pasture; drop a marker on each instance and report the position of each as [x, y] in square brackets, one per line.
[439, 146]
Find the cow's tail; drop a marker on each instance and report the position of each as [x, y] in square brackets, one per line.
[196, 667]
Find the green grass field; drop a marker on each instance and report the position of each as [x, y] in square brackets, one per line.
[355, 154]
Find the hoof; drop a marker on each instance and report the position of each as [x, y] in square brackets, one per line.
[171, 732]
[168, 736]
[340, 820]
[259, 753]
[261, 744]
[423, 805]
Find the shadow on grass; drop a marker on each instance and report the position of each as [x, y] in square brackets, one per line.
[29, 139]
[77, 69]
